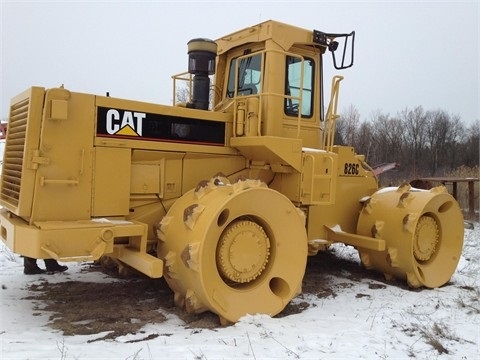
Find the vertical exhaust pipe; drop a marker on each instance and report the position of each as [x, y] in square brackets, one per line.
[201, 64]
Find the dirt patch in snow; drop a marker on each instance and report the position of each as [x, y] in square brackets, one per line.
[125, 305]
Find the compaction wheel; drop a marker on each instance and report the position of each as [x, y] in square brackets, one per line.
[423, 231]
[233, 249]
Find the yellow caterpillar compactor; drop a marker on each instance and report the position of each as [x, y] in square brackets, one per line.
[224, 195]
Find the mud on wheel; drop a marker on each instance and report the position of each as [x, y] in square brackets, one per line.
[423, 231]
[233, 249]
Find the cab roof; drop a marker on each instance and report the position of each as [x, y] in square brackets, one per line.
[282, 34]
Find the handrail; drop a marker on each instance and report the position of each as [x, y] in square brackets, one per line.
[332, 116]
[184, 76]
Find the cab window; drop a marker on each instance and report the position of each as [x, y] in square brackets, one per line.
[295, 88]
[249, 75]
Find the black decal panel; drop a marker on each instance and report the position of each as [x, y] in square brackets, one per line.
[147, 126]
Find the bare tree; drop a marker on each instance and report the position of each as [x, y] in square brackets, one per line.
[437, 128]
[350, 120]
[388, 138]
[469, 148]
[415, 134]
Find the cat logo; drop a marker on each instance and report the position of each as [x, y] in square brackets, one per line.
[123, 122]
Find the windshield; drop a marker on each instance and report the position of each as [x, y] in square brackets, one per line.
[249, 75]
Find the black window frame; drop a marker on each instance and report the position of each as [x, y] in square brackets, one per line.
[245, 63]
[289, 104]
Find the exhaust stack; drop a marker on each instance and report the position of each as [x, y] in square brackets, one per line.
[201, 64]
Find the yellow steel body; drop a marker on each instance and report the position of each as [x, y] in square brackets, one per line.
[228, 205]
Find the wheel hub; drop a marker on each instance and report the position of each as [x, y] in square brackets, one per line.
[426, 238]
[242, 252]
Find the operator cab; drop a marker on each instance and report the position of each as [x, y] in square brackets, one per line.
[270, 77]
[245, 75]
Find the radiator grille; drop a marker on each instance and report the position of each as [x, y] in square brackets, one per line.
[14, 149]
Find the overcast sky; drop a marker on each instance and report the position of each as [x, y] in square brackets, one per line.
[407, 53]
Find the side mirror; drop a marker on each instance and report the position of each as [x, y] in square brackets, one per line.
[346, 43]
[333, 46]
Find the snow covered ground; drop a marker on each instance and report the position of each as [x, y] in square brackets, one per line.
[347, 317]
